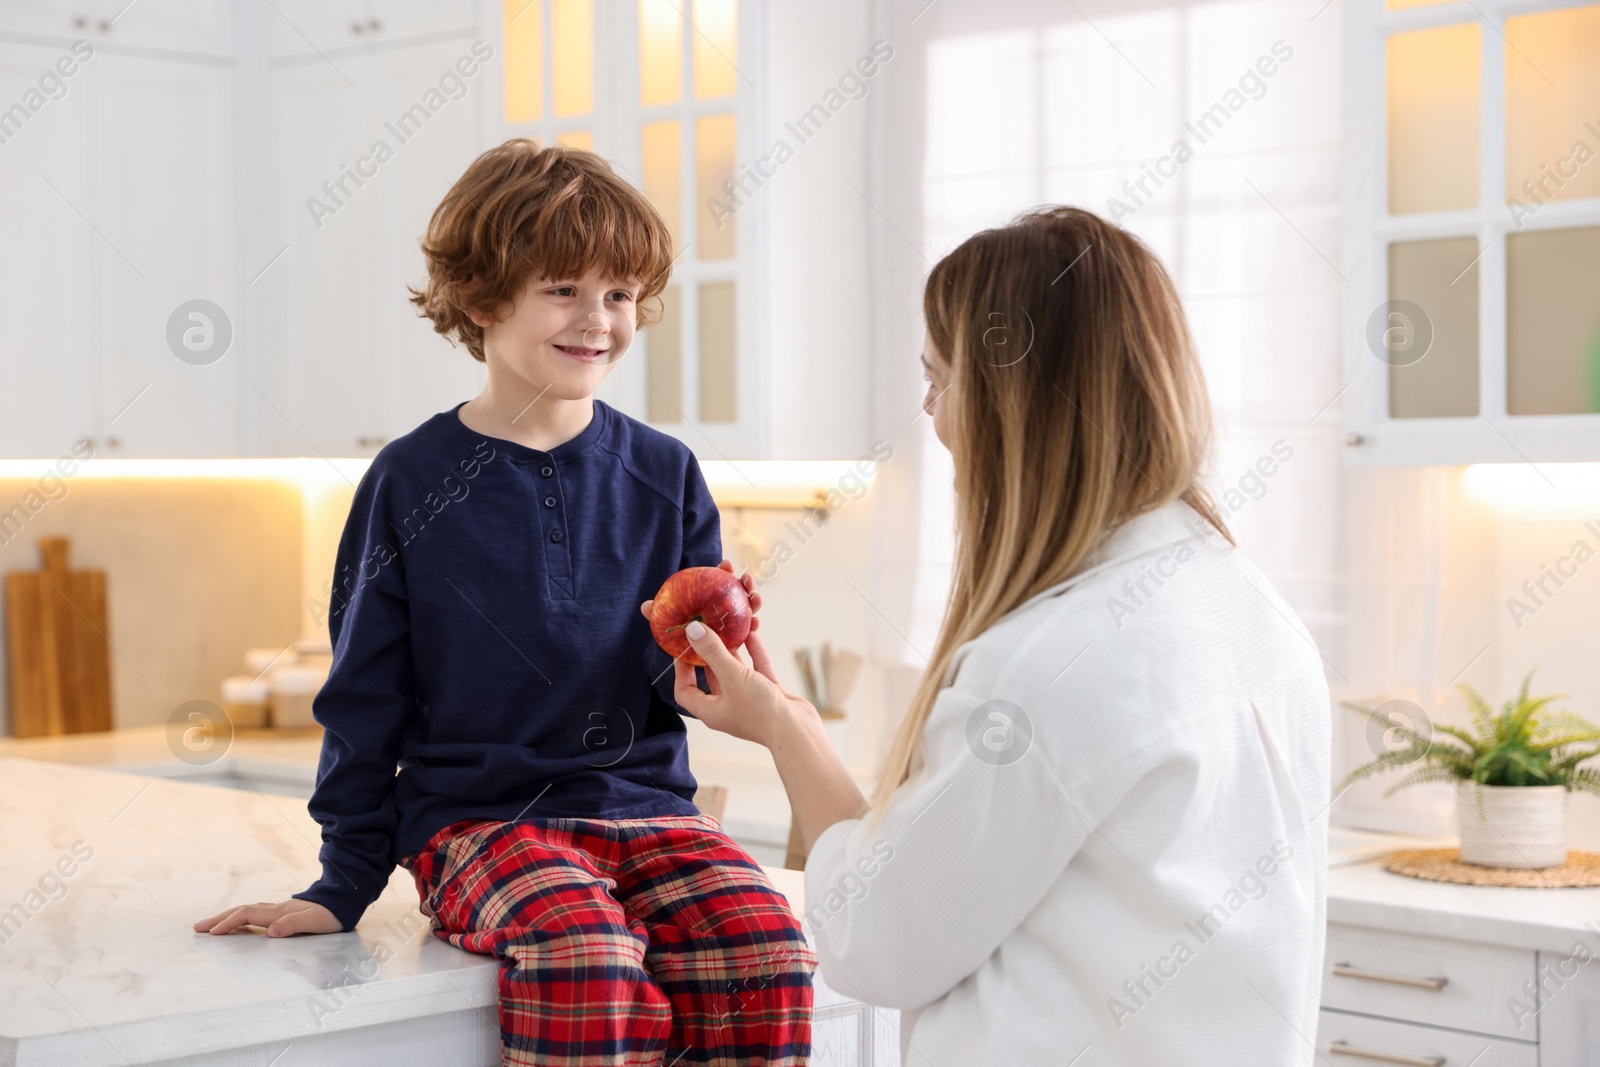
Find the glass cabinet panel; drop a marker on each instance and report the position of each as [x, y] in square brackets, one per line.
[1433, 313]
[718, 348]
[713, 150]
[660, 53]
[662, 154]
[664, 362]
[1553, 322]
[572, 56]
[716, 48]
[1552, 107]
[675, 102]
[1433, 83]
[524, 72]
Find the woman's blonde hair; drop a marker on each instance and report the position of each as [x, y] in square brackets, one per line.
[1075, 401]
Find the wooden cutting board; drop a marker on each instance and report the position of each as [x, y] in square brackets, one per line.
[60, 663]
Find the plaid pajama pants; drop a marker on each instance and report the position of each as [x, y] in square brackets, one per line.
[652, 941]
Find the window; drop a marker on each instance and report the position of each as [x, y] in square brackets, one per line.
[665, 90]
[1261, 162]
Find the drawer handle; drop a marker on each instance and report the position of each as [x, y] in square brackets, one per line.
[1339, 1048]
[1432, 985]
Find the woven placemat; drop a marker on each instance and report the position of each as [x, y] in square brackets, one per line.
[1581, 870]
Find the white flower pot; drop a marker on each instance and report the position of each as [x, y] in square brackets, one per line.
[1524, 827]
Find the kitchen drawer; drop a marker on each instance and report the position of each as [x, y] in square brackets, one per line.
[1396, 972]
[1357, 1041]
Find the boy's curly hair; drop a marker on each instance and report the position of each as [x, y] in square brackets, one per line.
[524, 210]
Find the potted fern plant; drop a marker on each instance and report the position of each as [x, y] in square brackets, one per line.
[1520, 764]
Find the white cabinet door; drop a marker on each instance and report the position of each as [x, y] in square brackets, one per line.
[45, 289]
[311, 389]
[1569, 1005]
[310, 27]
[51, 18]
[199, 27]
[167, 380]
[842, 1038]
[329, 26]
[417, 372]
[1433, 980]
[202, 27]
[399, 19]
[1364, 1040]
[349, 364]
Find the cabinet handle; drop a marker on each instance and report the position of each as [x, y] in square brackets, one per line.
[79, 22]
[357, 28]
[105, 25]
[1432, 985]
[374, 25]
[1339, 1048]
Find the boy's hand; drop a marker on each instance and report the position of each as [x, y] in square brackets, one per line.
[745, 580]
[281, 920]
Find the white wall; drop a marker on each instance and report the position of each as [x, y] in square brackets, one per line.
[197, 571]
[1439, 554]
[817, 335]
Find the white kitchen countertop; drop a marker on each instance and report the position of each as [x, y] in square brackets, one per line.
[1547, 920]
[102, 966]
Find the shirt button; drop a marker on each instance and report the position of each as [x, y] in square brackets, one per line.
[555, 535]
[549, 501]
[547, 471]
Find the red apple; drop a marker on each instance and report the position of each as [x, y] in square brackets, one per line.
[709, 595]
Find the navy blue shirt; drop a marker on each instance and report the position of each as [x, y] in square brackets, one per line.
[487, 641]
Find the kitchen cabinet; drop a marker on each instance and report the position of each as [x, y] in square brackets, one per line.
[1357, 1039]
[1426, 973]
[347, 364]
[1443, 1000]
[44, 372]
[127, 218]
[163, 199]
[1471, 232]
[186, 159]
[193, 27]
[1569, 1016]
[136, 212]
[308, 26]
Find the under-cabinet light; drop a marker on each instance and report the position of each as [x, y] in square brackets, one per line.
[784, 483]
[1541, 487]
[733, 483]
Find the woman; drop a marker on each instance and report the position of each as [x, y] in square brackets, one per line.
[1101, 832]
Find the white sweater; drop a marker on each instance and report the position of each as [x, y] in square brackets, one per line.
[1129, 871]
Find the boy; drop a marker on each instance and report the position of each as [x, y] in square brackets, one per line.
[488, 642]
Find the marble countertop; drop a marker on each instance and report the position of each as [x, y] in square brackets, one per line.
[95, 965]
[102, 875]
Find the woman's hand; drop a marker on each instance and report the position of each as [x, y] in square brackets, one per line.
[746, 699]
[281, 920]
